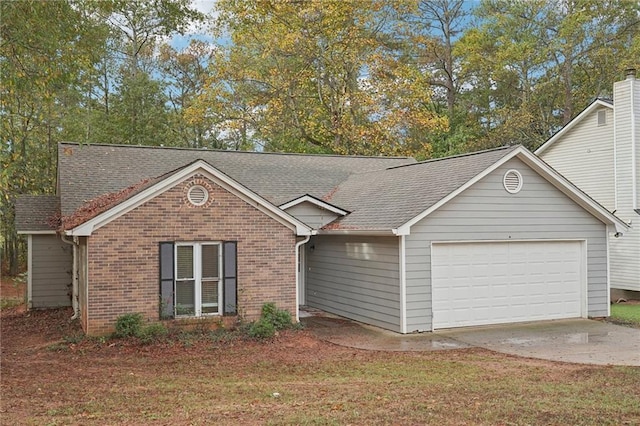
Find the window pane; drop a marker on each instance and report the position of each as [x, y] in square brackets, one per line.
[185, 298]
[209, 297]
[184, 262]
[210, 261]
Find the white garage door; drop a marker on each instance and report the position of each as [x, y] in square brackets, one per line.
[503, 282]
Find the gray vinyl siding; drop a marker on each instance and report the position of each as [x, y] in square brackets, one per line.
[486, 211]
[355, 277]
[51, 275]
[584, 155]
[311, 214]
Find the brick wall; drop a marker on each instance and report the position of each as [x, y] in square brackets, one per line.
[123, 265]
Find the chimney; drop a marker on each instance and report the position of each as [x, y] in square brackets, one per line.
[630, 73]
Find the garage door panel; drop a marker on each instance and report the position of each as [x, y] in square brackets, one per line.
[501, 282]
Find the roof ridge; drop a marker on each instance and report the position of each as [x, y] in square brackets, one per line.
[467, 154]
[298, 154]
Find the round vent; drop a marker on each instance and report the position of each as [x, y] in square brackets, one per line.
[198, 195]
[512, 181]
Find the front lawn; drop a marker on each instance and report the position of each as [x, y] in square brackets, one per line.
[626, 313]
[295, 379]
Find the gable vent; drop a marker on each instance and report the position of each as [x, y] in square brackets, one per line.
[198, 195]
[602, 117]
[512, 181]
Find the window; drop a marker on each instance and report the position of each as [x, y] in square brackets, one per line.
[198, 284]
[198, 278]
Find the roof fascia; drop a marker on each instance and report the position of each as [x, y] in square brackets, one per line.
[52, 232]
[560, 134]
[369, 232]
[315, 201]
[87, 228]
[555, 178]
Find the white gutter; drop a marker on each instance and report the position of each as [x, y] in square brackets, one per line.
[298, 266]
[74, 273]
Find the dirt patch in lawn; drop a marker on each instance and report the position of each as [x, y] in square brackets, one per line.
[51, 375]
[13, 287]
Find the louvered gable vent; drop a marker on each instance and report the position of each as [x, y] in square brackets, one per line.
[512, 181]
[198, 195]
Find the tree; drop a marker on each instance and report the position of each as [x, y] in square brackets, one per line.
[132, 105]
[309, 76]
[535, 63]
[186, 74]
[47, 52]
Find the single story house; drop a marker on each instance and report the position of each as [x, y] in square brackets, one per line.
[599, 151]
[491, 237]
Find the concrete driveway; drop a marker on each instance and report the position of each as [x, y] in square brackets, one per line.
[577, 340]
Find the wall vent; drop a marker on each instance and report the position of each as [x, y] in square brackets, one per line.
[198, 195]
[512, 181]
[602, 118]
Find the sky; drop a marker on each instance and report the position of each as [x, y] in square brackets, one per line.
[179, 42]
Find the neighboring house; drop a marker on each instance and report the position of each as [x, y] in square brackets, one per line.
[599, 151]
[491, 237]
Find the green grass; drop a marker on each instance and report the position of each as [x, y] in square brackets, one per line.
[628, 314]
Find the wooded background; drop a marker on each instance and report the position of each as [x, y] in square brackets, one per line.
[395, 77]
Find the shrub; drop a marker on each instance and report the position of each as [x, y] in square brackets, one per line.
[262, 329]
[153, 332]
[280, 319]
[129, 325]
[271, 320]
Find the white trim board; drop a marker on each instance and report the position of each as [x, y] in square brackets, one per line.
[198, 167]
[315, 201]
[544, 170]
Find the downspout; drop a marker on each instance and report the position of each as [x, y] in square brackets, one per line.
[298, 266]
[74, 281]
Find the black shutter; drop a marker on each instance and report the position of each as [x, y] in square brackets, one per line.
[230, 281]
[166, 280]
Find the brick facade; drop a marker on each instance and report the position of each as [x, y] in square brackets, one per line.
[123, 256]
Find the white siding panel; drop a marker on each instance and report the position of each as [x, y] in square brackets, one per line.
[355, 277]
[585, 157]
[486, 212]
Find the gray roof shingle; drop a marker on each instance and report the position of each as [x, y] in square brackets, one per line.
[381, 193]
[35, 212]
[387, 199]
[88, 171]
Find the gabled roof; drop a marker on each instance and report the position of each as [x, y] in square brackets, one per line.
[598, 103]
[377, 195]
[393, 200]
[386, 199]
[88, 171]
[37, 214]
[316, 202]
[133, 196]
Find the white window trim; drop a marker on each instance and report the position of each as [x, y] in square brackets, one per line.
[197, 276]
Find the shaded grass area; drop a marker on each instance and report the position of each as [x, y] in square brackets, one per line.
[626, 313]
[294, 379]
